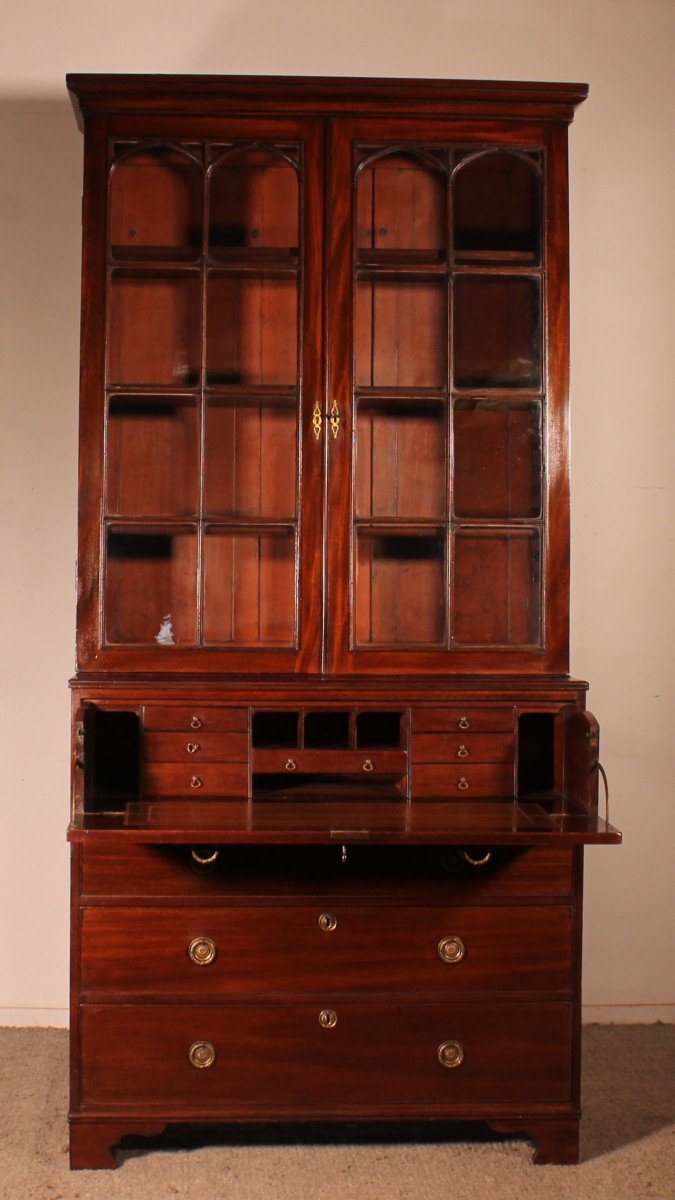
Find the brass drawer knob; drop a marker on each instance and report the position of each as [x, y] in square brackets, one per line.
[327, 1018]
[462, 752]
[291, 765]
[463, 783]
[202, 951]
[196, 781]
[327, 922]
[451, 949]
[196, 722]
[463, 723]
[368, 766]
[475, 858]
[193, 747]
[200, 859]
[450, 1054]
[202, 1055]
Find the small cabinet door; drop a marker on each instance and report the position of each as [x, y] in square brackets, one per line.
[209, 523]
[446, 406]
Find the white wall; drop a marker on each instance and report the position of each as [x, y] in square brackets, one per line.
[622, 178]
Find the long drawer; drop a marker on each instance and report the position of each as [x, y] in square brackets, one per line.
[391, 873]
[291, 1057]
[230, 951]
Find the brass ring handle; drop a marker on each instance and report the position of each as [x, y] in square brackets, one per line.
[196, 722]
[328, 1018]
[477, 860]
[196, 781]
[334, 419]
[291, 765]
[450, 1054]
[327, 922]
[205, 860]
[462, 752]
[202, 1055]
[202, 951]
[463, 783]
[368, 766]
[463, 723]
[193, 747]
[317, 420]
[451, 949]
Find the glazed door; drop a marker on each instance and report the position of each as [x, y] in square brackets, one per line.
[449, 407]
[210, 524]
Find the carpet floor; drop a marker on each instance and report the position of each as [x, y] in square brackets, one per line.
[627, 1145]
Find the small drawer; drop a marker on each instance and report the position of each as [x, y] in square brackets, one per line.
[329, 947]
[198, 779]
[198, 719]
[330, 1057]
[468, 747]
[490, 719]
[195, 747]
[371, 764]
[452, 779]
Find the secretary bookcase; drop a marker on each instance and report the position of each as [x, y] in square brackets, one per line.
[332, 780]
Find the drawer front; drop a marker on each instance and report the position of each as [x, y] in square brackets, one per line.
[193, 720]
[239, 951]
[463, 748]
[387, 873]
[195, 747]
[376, 1054]
[190, 779]
[343, 762]
[498, 719]
[454, 779]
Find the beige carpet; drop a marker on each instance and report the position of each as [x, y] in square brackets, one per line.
[628, 1143]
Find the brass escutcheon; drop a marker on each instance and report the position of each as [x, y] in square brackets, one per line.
[462, 752]
[463, 783]
[451, 949]
[334, 419]
[317, 420]
[463, 723]
[202, 951]
[202, 1055]
[196, 722]
[196, 781]
[450, 1054]
[328, 1018]
[327, 922]
[193, 747]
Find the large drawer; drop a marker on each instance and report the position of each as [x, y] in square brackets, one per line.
[331, 948]
[189, 779]
[362, 763]
[407, 874]
[457, 779]
[280, 1057]
[195, 747]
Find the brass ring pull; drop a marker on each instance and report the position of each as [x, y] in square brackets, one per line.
[317, 421]
[463, 783]
[196, 781]
[202, 951]
[450, 1054]
[202, 1055]
[196, 722]
[463, 723]
[451, 949]
[328, 1018]
[193, 747]
[477, 860]
[368, 766]
[205, 860]
[291, 765]
[462, 752]
[327, 922]
[334, 419]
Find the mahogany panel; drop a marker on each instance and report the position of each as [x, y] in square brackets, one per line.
[360, 762]
[267, 951]
[486, 719]
[382, 1053]
[455, 779]
[195, 747]
[204, 779]
[457, 747]
[193, 719]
